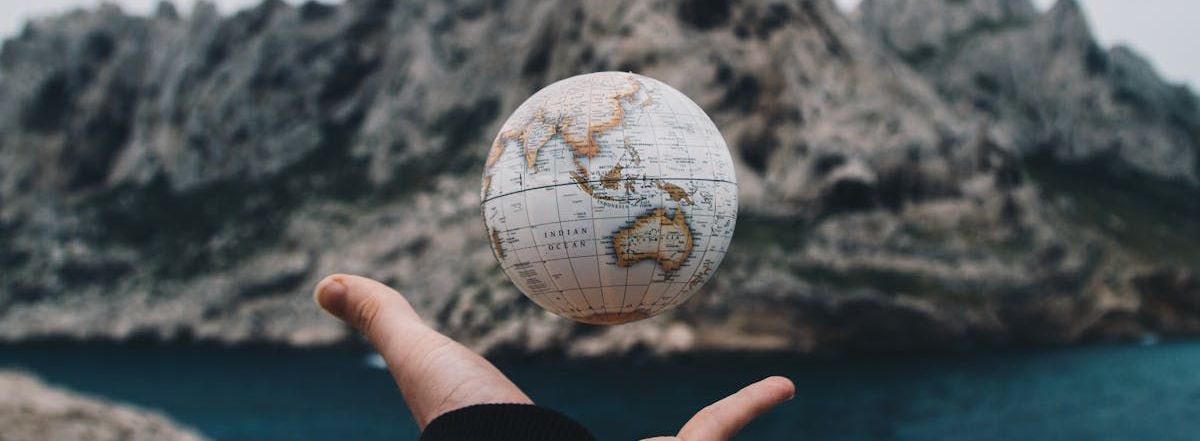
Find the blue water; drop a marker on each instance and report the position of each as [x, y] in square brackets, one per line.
[256, 393]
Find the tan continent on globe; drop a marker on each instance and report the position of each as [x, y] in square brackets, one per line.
[655, 236]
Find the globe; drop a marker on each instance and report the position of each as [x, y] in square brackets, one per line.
[609, 197]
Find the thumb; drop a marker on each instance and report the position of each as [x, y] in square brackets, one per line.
[361, 302]
[723, 419]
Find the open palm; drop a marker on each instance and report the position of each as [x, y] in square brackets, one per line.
[437, 374]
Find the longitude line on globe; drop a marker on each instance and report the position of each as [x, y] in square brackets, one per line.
[592, 206]
[578, 286]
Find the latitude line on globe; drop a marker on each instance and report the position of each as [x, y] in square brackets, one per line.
[693, 215]
[596, 181]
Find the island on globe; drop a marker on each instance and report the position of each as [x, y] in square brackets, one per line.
[609, 197]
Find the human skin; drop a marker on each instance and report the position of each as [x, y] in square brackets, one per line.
[437, 374]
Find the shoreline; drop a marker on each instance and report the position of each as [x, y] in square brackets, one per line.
[361, 347]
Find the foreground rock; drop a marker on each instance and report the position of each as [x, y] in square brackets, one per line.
[31, 410]
[193, 177]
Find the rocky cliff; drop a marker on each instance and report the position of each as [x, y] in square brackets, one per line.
[1043, 81]
[33, 411]
[993, 178]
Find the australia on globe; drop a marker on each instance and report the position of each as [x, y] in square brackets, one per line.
[609, 197]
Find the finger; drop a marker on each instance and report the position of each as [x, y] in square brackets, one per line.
[435, 373]
[723, 419]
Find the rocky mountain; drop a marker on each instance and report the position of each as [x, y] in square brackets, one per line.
[1045, 83]
[31, 410]
[995, 177]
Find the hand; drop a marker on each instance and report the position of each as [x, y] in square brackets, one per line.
[437, 374]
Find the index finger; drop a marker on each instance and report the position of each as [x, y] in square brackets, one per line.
[435, 373]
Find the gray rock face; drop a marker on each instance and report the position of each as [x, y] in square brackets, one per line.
[172, 177]
[31, 410]
[1044, 82]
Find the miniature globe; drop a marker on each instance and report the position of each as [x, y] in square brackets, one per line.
[609, 197]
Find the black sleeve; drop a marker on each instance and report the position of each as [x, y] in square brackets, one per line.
[505, 422]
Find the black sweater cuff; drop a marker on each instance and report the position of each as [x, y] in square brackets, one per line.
[504, 422]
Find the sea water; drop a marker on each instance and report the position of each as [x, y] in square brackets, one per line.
[1149, 392]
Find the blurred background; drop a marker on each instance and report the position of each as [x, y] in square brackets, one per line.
[960, 219]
